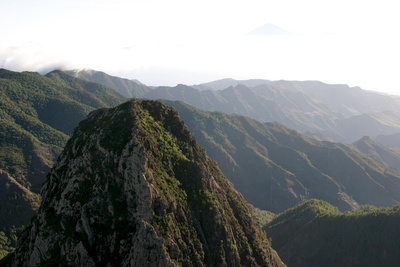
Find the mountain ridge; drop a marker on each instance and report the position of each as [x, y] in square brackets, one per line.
[126, 87]
[379, 152]
[261, 158]
[329, 109]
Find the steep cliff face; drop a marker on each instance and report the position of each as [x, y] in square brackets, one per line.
[133, 188]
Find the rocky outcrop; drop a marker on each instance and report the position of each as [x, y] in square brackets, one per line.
[133, 188]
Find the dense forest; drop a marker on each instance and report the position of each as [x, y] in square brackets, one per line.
[316, 233]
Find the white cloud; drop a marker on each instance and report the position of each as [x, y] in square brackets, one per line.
[169, 42]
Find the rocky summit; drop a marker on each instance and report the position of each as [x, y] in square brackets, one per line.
[133, 188]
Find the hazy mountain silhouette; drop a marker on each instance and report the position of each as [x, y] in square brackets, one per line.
[269, 29]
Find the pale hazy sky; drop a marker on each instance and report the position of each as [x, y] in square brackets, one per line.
[183, 41]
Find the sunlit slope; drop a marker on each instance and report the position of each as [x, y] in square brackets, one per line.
[316, 233]
[276, 168]
[381, 153]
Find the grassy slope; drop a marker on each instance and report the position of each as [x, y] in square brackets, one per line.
[318, 234]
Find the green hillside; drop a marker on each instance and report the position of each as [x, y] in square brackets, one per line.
[37, 113]
[381, 153]
[18, 205]
[316, 233]
[5, 246]
[276, 168]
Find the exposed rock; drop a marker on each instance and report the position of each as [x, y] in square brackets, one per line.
[133, 188]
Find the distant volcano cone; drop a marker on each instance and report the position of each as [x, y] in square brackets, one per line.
[269, 29]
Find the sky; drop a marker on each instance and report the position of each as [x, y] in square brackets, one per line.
[190, 42]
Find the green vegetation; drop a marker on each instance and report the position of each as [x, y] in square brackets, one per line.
[193, 182]
[264, 216]
[276, 168]
[37, 113]
[5, 245]
[137, 164]
[178, 168]
[38, 109]
[316, 233]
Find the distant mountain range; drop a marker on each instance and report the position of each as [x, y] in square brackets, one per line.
[391, 140]
[127, 88]
[225, 83]
[269, 29]
[273, 166]
[324, 111]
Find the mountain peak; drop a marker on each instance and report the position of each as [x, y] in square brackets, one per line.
[133, 187]
[269, 29]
